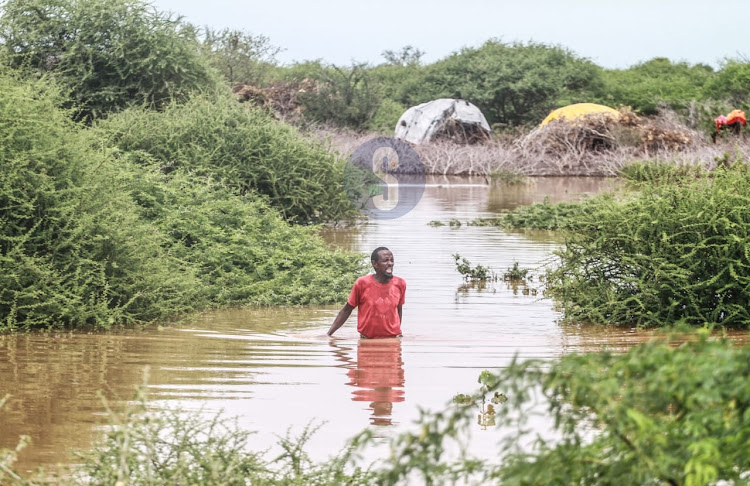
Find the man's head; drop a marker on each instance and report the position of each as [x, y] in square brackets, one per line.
[382, 262]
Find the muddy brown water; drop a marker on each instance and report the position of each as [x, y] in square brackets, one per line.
[276, 370]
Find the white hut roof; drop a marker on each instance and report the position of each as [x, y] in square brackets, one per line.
[421, 123]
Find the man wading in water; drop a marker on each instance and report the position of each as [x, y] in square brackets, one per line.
[379, 297]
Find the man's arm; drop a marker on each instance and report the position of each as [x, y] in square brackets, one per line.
[399, 313]
[341, 318]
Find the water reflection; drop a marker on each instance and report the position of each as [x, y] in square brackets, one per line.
[377, 375]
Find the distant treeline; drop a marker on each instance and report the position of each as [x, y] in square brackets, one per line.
[110, 54]
[514, 84]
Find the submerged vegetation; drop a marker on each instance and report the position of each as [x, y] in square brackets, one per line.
[469, 272]
[516, 273]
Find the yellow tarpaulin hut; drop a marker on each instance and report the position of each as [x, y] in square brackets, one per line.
[578, 110]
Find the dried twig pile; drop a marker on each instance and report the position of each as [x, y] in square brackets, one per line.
[602, 132]
[281, 99]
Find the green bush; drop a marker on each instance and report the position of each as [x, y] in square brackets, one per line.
[73, 248]
[385, 119]
[214, 136]
[243, 251]
[672, 253]
[660, 172]
[89, 238]
[107, 54]
[667, 412]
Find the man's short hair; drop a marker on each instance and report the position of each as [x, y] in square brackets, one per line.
[374, 257]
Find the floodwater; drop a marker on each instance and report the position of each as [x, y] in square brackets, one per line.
[277, 371]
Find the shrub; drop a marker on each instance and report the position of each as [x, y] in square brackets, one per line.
[89, 238]
[242, 250]
[672, 253]
[248, 151]
[386, 117]
[650, 85]
[107, 54]
[73, 248]
[732, 82]
[667, 412]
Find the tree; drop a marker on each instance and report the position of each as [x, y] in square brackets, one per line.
[732, 82]
[513, 84]
[241, 57]
[657, 82]
[407, 56]
[107, 54]
[345, 96]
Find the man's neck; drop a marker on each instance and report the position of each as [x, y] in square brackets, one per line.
[384, 279]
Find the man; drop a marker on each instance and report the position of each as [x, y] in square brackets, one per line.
[379, 297]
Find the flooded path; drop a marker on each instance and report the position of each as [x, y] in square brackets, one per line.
[276, 370]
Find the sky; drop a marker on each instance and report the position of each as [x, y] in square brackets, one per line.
[611, 33]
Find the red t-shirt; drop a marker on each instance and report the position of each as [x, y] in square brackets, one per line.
[377, 316]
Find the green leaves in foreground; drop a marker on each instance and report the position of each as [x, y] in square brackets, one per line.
[667, 412]
[175, 446]
[673, 411]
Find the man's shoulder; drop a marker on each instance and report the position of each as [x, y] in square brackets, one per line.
[363, 280]
[399, 281]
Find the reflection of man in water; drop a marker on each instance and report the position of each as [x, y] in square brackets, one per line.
[378, 375]
[379, 297]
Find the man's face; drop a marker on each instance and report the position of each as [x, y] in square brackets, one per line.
[384, 265]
